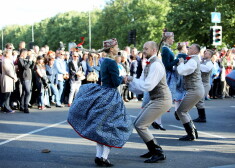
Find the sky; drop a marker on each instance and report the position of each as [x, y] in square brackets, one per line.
[24, 12]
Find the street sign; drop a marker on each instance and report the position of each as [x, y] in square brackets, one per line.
[215, 17]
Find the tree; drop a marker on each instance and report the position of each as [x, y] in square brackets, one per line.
[147, 17]
[190, 20]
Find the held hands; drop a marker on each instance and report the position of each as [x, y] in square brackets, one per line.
[181, 60]
[127, 79]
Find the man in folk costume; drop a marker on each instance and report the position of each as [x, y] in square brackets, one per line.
[194, 90]
[206, 67]
[152, 80]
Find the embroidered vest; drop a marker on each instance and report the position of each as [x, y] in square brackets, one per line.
[194, 80]
[206, 75]
[161, 90]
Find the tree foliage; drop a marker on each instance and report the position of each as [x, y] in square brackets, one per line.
[188, 19]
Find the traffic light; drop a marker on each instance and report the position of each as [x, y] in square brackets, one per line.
[132, 37]
[216, 35]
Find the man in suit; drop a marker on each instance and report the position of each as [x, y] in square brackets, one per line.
[194, 90]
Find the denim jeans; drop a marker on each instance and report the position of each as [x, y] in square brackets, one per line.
[26, 92]
[55, 93]
[61, 89]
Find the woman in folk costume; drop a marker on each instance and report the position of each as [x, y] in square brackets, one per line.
[98, 112]
[170, 63]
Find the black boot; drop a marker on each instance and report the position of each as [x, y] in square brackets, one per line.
[195, 130]
[189, 128]
[149, 154]
[176, 116]
[201, 116]
[157, 153]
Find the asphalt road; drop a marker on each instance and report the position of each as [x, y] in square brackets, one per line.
[24, 136]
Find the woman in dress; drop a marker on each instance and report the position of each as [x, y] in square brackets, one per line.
[170, 63]
[98, 112]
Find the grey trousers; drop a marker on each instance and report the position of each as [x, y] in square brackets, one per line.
[191, 98]
[201, 103]
[154, 109]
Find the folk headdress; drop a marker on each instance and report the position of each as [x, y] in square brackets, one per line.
[168, 34]
[109, 43]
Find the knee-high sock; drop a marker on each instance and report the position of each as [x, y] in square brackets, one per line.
[106, 151]
[177, 104]
[99, 150]
[159, 120]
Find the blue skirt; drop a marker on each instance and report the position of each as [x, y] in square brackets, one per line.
[176, 85]
[98, 114]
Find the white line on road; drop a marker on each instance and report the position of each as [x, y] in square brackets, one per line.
[32, 132]
[217, 136]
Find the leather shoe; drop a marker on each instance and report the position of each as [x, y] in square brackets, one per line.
[98, 161]
[146, 155]
[61, 106]
[200, 120]
[21, 109]
[158, 126]
[26, 110]
[155, 158]
[106, 162]
[187, 138]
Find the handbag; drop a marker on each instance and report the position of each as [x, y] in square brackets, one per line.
[92, 77]
[80, 74]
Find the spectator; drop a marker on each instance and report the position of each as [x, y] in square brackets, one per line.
[75, 74]
[25, 66]
[51, 72]
[8, 80]
[42, 83]
[60, 65]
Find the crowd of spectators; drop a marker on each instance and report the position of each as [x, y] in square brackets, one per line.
[40, 77]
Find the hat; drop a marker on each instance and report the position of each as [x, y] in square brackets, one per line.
[168, 34]
[110, 43]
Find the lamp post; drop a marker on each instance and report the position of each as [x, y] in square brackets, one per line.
[32, 34]
[89, 30]
[2, 39]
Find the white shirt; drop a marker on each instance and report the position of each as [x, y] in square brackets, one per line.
[187, 68]
[156, 73]
[206, 68]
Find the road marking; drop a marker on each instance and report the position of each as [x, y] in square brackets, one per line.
[225, 166]
[132, 116]
[217, 136]
[232, 106]
[32, 132]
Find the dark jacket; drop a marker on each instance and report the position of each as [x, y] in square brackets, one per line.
[72, 71]
[25, 67]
